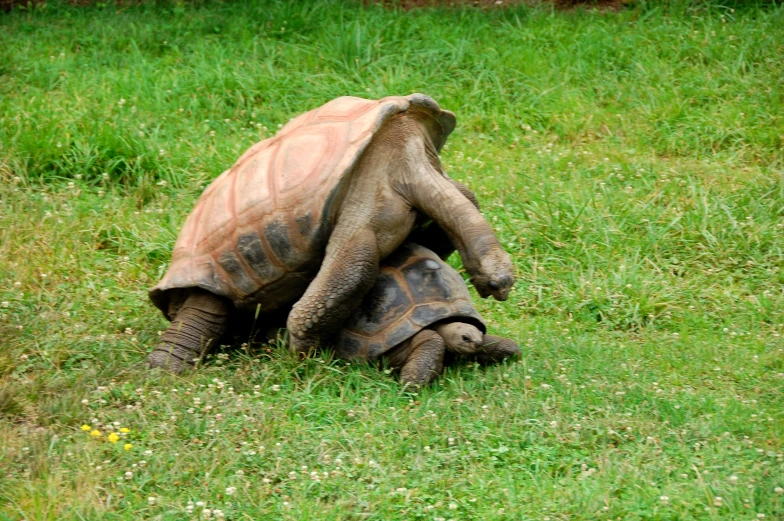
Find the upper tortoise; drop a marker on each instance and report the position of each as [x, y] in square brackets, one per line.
[306, 216]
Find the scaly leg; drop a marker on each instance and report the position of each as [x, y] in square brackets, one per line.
[425, 361]
[348, 272]
[433, 236]
[495, 349]
[431, 193]
[196, 328]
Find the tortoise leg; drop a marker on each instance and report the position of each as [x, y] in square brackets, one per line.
[433, 236]
[495, 349]
[490, 267]
[197, 326]
[349, 271]
[425, 361]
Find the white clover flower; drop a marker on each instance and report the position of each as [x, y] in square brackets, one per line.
[230, 491]
[151, 500]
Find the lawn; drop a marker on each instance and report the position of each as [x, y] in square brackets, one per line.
[632, 163]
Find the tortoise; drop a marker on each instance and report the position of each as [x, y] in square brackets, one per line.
[306, 217]
[418, 312]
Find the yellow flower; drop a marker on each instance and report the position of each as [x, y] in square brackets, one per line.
[86, 427]
[113, 437]
[125, 430]
[127, 446]
[95, 433]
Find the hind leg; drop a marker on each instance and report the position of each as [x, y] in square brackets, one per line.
[197, 326]
[425, 360]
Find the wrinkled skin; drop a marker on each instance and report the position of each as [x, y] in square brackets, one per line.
[397, 183]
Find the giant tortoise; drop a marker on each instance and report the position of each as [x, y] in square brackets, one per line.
[305, 218]
[418, 311]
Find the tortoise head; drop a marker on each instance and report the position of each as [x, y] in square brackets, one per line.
[460, 337]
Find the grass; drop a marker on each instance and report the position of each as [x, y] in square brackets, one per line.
[632, 162]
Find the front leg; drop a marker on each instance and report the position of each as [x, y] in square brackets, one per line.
[433, 236]
[348, 272]
[432, 193]
[496, 349]
[425, 360]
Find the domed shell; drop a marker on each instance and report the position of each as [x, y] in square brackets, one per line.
[414, 289]
[257, 234]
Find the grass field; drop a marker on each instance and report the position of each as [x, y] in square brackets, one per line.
[632, 162]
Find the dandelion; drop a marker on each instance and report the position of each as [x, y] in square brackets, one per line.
[95, 433]
[113, 437]
[127, 446]
[86, 428]
[125, 430]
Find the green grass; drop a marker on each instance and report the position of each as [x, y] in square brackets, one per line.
[632, 162]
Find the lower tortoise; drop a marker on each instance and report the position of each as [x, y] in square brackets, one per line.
[418, 313]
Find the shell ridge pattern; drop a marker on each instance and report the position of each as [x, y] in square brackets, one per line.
[257, 209]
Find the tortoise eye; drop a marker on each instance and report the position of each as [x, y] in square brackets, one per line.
[466, 338]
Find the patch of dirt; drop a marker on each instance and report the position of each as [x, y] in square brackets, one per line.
[604, 5]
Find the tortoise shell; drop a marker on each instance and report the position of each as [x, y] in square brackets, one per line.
[414, 289]
[258, 233]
